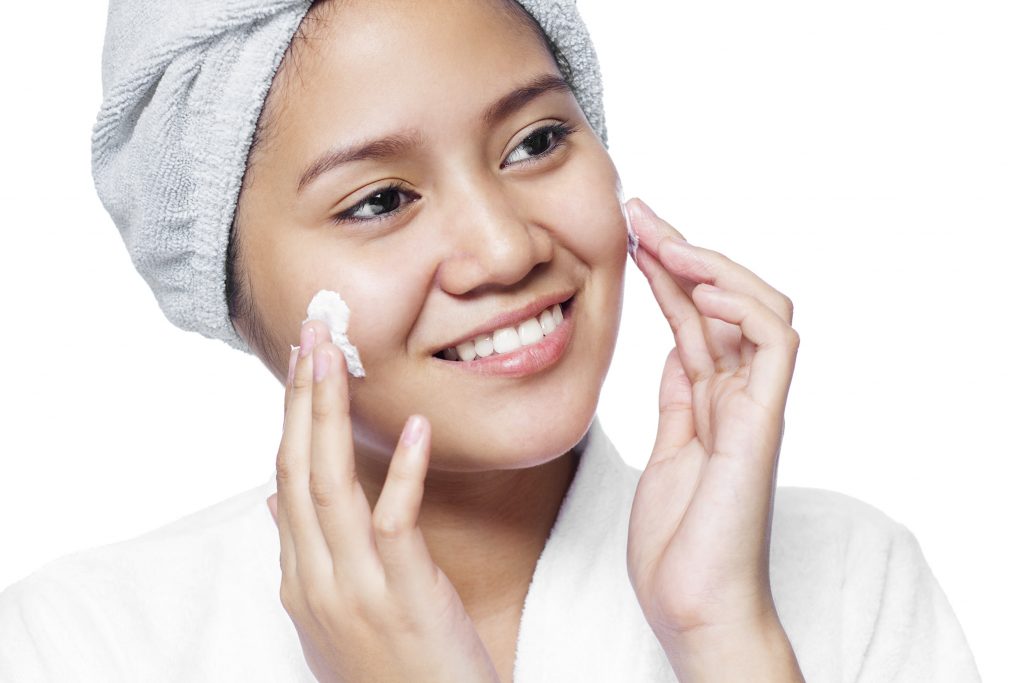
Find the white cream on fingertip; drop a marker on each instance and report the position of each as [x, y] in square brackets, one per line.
[329, 307]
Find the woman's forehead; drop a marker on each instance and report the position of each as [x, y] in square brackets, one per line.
[368, 56]
[406, 69]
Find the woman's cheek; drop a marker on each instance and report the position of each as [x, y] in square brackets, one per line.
[382, 310]
[595, 227]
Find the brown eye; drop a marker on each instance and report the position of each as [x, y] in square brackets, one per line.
[540, 143]
[377, 205]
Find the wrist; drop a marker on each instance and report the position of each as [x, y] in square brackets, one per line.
[744, 651]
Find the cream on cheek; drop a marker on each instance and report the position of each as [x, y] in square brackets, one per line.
[328, 306]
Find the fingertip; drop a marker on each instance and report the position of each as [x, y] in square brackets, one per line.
[634, 210]
[272, 505]
[414, 431]
[293, 356]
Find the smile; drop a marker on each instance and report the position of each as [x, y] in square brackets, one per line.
[522, 348]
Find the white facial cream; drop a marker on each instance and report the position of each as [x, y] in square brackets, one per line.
[332, 309]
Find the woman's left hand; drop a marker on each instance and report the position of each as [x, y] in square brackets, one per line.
[700, 525]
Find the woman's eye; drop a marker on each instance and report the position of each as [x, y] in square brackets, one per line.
[380, 204]
[539, 143]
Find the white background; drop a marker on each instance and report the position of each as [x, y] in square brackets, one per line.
[866, 159]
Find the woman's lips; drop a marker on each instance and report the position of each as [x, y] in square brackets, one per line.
[526, 360]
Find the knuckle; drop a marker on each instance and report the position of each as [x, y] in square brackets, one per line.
[673, 407]
[708, 265]
[302, 382]
[320, 606]
[388, 526]
[793, 338]
[293, 603]
[675, 321]
[323, 492]
[323, 408]
[284, 466]
[787, 307]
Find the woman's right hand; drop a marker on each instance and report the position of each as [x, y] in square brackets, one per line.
[367, 600]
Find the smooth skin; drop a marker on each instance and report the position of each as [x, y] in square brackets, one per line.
[367, 600]
[411, 563]
[370, 604]
[700, 526]
[491, 216]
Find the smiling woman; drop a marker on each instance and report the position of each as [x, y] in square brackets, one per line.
[456, 513]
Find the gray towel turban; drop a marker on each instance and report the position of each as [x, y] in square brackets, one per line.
[183, 87]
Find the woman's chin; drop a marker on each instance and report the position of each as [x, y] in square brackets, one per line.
[517, 440]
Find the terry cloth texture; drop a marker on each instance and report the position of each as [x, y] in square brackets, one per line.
[183, 87]
[199, 600]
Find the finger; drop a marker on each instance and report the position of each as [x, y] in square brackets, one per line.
[287, 557]
[682, 316]
[699, 264]
[338, 498]
[403, 552]
[676, 421]
[296, 517]
[292, 357]
[678, 457]
[771, 368]
[723, 340]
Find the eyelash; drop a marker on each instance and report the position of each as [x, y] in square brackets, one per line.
[559, 132]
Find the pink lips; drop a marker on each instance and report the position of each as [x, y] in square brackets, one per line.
[512, 318]
[528, 359]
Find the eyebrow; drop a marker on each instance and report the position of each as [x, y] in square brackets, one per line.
[396, 144]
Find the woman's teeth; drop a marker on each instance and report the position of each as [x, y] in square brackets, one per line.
[506, 339]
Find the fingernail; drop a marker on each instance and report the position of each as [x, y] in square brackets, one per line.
[643, 223]
[292, 357]
[306, 339]
[631, 239]
[413, 431]
[645, 207]
[321, 364]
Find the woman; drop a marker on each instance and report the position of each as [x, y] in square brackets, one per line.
[441, 547]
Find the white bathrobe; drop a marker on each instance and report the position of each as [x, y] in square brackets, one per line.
[198, 600]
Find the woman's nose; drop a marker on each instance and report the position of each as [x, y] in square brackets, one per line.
[491, 241]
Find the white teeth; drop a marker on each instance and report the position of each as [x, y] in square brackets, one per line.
[547, 322]
[484, 346]
[530, 332]
[466, 350]
[507, 339]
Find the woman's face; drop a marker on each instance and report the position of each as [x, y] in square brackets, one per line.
[469, 213]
